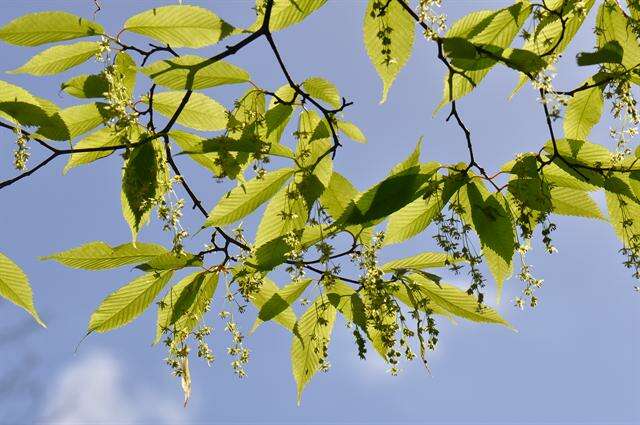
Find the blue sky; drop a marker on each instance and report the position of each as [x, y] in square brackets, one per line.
[574, 359]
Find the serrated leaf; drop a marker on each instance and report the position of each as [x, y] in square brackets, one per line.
[17, 105]
[99, 256]
[39, 28]
[424, 260]
[286, 318]
[287, 211]
[312, 334]
[574, 202]
[142, 181]
[583, 112]
[14, 286]
[171, 261]
[338, 195]
[485, 28]
[200, 113]
[180, 26]
[183, 306]
[86, 86]
[244, 199]
[351, 131]
[73, 121]
[280, 302]
[614, 26]
[286, 13]
[610, 52]
[128, 302]
[456, 301]
[392, 194]
[417, 215]
[190, 72]
[191, 143]
[388, 40]
[227, 144]
[320, 88]
[57, 59]
[492, 222]
[102, 138]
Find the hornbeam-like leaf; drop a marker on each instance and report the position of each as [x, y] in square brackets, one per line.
[190, 72]
[180, 26]
[128, 302]
[200, 113]
[388, 39]
[39, 28]
[280, 302]
[244, 199]
[456, 301]
[183, 306]
[14, 286]
[57, 59]
[98, 255]
[312, 334]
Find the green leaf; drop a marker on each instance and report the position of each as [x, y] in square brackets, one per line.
[39, 28]
[57, 59]
[180, 26]
[456, 301]
[556, 30]
[287, 211]
[190, 143]
[574, 202]
[389, 196]
[583, 112]
[286, 318]
[86, 86]
[227, 144]
[610, 52]
[494, 30]
[14, 286]
[190, 72]
[280, 302]
[200, 113]
[102, 138]
[142, 182]
[286, 13]
[171, 261]
[424, 260]
[338, 195]
[185, 303]
[413, 160]
[388, 40]
[99, 256]
[322, 89]
[417, 215]
[312, 334]
[17, 105]
[128, 302]
[73, 121]
[351, 131]
[244, 199]
[614, 26]
[622, 213]
[493, 224]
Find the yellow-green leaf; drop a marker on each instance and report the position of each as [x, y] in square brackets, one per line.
[57, 59]
[200, 113]
[14, 286]
[190, 72]
[388, 39]
[180, 26]
[244, 199]
[312, 334]
[99, 256]
[39, 28]
[128, 302]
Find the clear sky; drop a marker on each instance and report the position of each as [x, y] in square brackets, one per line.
[574, 359]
